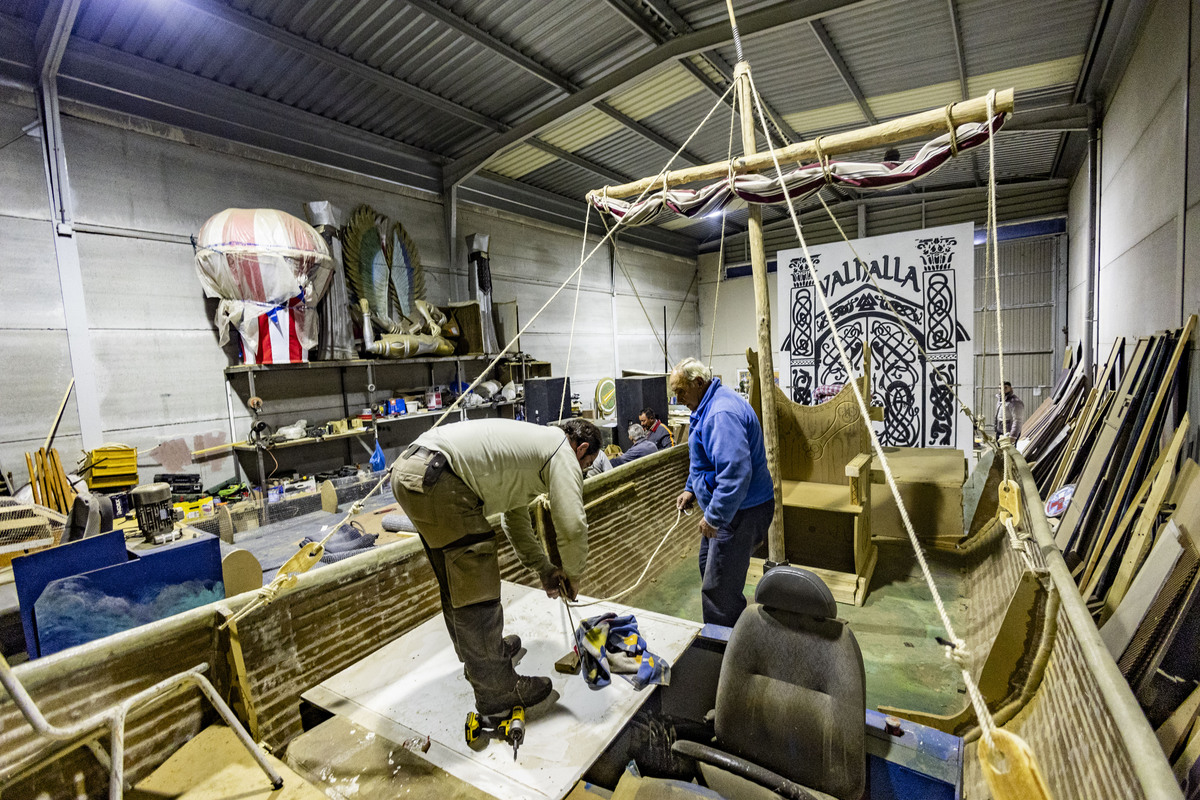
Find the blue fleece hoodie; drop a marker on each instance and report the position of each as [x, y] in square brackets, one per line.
[728, 460]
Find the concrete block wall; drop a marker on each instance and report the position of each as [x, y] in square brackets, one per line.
[141, 190]
[1148, 275]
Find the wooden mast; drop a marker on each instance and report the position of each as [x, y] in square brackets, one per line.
[762, 314]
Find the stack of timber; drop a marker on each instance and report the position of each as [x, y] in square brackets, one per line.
[1131, 533]
[1055, 425]
[48, 480]
[1117, 455]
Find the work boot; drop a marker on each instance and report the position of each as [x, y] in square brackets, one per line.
[512, 646]
[529, 691]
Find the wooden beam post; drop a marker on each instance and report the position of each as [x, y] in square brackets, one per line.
[762, 313]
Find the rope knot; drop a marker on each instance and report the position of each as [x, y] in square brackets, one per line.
[953, 131]
[956, 651]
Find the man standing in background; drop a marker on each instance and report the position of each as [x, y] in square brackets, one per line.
[1010, 414]
[729, 476]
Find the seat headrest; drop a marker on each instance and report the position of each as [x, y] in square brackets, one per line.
[790, 588]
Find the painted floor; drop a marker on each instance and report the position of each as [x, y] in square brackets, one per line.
[896, 627]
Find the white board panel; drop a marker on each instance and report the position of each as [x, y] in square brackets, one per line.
[414, 686]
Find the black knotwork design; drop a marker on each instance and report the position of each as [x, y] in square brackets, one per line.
[901, 415]
[830, 369]
[936, 253]
[802, 322]
[941, 401]
[801, 386]
[939, 320]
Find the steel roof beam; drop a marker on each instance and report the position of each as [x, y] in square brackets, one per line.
[251, 24]
[959, 53]
[647, 134]
[717, 35]
[501, 48]
[106, 77]
[961, 59]
[631, 15]
[1108, 53]
[843, 69]
[775, 118]
[50, 40]
[496, 191]
[525, 62]
[577, 160]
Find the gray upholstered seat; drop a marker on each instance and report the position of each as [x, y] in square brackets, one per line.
[791, 700]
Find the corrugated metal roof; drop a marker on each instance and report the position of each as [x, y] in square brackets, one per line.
[899, 52]
[890, 47]
[664, 88]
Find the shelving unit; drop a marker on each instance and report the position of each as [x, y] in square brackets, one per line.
[358, 377]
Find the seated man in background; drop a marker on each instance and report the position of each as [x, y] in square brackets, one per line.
[601, 464]
[655, 430]
[641, 446]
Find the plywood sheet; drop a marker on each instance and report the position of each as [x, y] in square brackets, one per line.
[414, 686]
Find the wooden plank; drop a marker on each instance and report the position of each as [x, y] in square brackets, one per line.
[33, 480]
[1119, 631]
[1098, 457]
[1174, 731]
[1081, 423]
[1134, 454]
[1147, 523]
[1091, 576]
[819, 496]
[1115, 356]
[1091, 535]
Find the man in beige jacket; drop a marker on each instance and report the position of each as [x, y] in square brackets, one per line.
[448, 482]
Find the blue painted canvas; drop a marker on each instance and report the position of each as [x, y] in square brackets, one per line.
[154, 585]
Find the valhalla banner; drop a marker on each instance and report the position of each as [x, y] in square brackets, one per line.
[928, 278]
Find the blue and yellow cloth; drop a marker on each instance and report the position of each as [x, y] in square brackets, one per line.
[610, 644]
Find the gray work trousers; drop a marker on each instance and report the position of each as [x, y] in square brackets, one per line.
[461, 547]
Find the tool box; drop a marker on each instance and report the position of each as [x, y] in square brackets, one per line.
[112, 466]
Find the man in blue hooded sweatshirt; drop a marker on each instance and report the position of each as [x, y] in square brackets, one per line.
[729, 476]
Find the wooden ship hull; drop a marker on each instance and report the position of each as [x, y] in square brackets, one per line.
[1057, 686]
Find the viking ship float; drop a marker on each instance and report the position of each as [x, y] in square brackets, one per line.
[1043, 710]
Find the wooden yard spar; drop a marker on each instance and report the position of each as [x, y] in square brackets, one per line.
[894, 131]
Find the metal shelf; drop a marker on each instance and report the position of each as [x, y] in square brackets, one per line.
[240, 369]
[249, 448]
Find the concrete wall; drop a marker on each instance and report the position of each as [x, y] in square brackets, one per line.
[141, 189]
[1144, 282]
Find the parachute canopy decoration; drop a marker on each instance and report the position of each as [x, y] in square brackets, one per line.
[269, 270]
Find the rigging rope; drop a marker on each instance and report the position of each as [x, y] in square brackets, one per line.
[678, 518]
[310, 554]
[992, 257]
[587, 218]
[956, 651]
[712, 337]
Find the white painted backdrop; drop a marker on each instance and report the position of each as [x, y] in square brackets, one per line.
[927, 276]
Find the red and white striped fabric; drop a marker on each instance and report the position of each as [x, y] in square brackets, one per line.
[274, 336]
[797, 184]
[266, 266]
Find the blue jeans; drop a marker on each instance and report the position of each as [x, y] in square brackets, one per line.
[724, 560]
